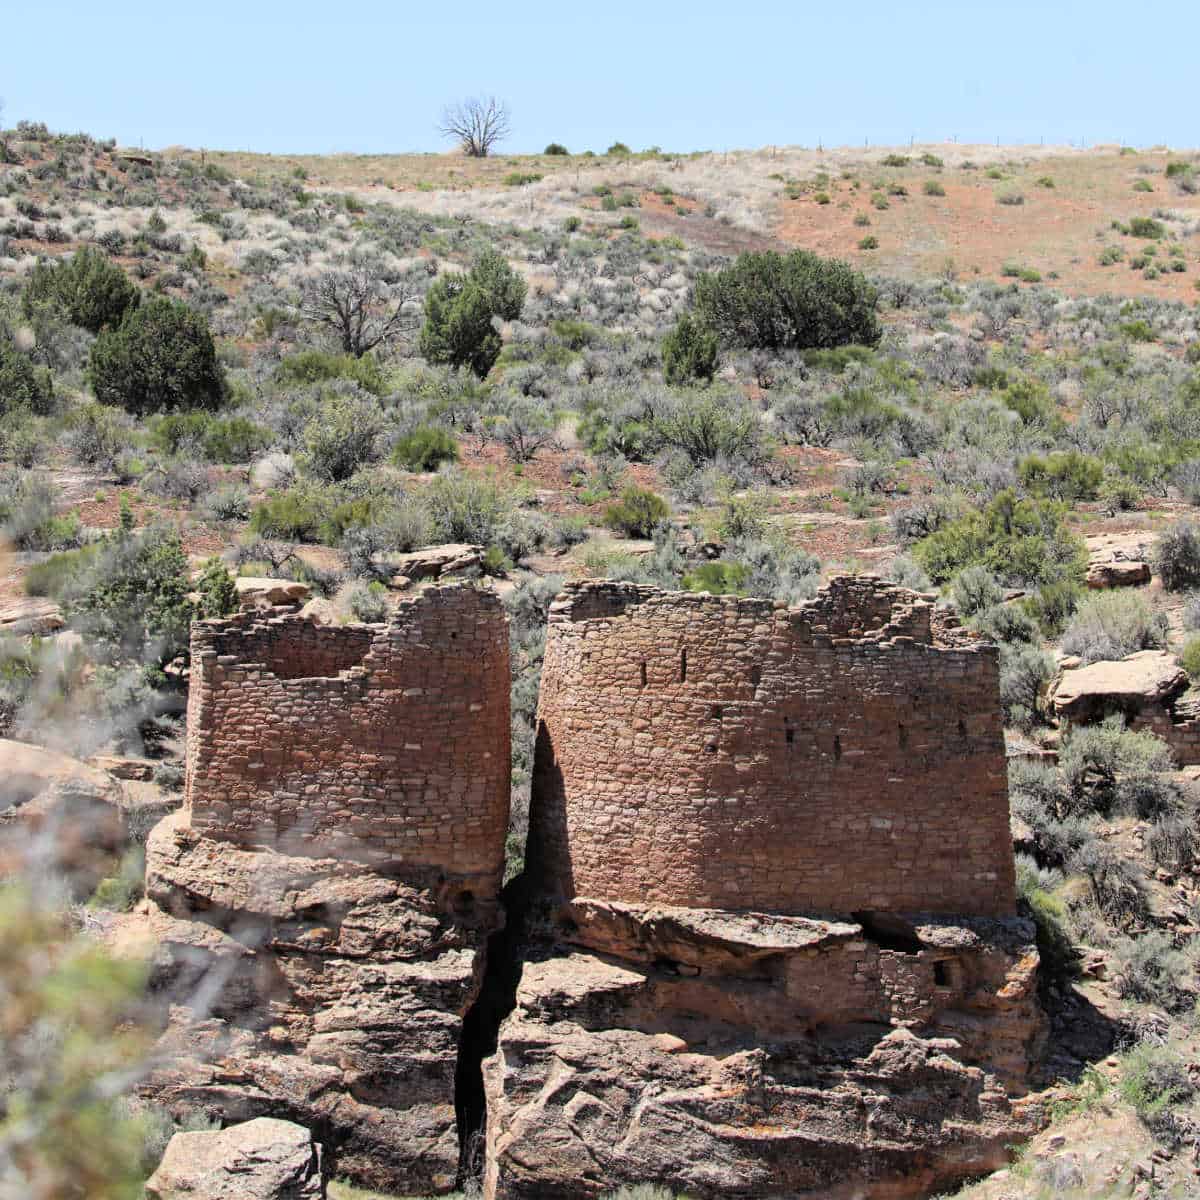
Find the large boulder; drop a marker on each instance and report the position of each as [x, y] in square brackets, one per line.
[722, 1053]
[433, 562]
[263, 1159]
[256, 592]
[316, 987]
[1114, 573]
[30, 616]
[76, 814]
[1129, 685]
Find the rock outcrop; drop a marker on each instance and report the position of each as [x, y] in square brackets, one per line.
[254, 592]
[736, 1067]
[1129, 685]
[263, 1159]
[316, 989]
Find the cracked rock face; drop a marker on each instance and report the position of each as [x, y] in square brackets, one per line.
[724, 1054]
[316, 990]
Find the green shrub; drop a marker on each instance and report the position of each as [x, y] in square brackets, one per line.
[521, 178]
[1025, 673]
[1054, 943]
[216, 439]
[1152, 971]
[618, 149]
[1110, 255]
[719, 578]
[218, 592]
[775, 301]
[1147, 227]
[425, 449]
[320, 366]
[1189, 658]
[870, 242]
[465, 508]
[1030, 400]
[459, 314]
[637, 512]
[1111, 625]
[1155, 1078]
[131, 601]
[1106, 766]
[28, 519]
[22, 385]
[295, 515]
[341, 437]
[933, 187]
[575, 334]
[974, 590]
[711, 427]
[1176, 556]
[161, 358]
[1022, 541]
[1061, 475]
[556, 148]
[689, 352]
[89, 289]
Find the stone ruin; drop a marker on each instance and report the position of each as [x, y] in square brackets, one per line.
[766, 942]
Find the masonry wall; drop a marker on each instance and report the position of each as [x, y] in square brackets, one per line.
[729, 753]
[386, 744]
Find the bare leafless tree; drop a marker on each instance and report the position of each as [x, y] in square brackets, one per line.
[476, 124]
[359, 306]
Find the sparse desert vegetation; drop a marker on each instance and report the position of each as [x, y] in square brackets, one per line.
[696, 371]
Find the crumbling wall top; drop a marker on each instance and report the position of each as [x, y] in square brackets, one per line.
[381, 743]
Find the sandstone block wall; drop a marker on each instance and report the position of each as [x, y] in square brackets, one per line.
[719, 752]
[386, 744]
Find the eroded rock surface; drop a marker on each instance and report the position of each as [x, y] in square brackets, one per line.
[315, 989]
[1147, 678]
[263, 1159]
[753, 1055]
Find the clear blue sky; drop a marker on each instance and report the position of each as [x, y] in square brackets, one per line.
[367, 76]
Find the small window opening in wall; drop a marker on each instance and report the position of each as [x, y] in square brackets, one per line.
[941, 973]
[789, 734]
[903, 737]
[711, 748]
[683, 666]
[962, 728]
[643, 673]
[755, 677]
[837, 748]
[464, 903]
[716, 712]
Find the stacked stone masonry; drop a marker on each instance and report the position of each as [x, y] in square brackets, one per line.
[719, 752]
[383, 744]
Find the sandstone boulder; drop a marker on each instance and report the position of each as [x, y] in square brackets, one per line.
[757, 1074]
[263, 1159]
[266, 593]
[78, 812]
[321, 611]
[316, 987]
[434, 562]
[1114, 573]
[30, 617]
[1149, 677]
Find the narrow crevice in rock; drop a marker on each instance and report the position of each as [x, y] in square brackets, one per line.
[497, 998]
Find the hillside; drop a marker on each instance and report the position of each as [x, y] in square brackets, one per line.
[353, 377]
